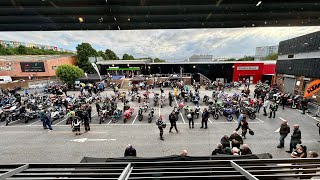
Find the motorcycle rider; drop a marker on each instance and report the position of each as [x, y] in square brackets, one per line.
[173, 119]
[160, 125]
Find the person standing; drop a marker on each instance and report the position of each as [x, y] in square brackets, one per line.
[205, 117]
[173, 119]
[86, 120]
[295, 138]
[161, 125]
[304, 104]
[42, 115]
[318, 125]
[284, 99]
[190, 117]
[284, 131]
[225, 141]
[273, 109]
[265, 106]
[48, 120]
[130, 151]
[170, 99]
[89, 111]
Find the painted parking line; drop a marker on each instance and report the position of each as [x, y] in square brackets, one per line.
[135, 118]
[259, 120]
[61, 121]
[34, 122]
[180, 112]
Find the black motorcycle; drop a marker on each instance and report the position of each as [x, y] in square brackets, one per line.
[150, 116]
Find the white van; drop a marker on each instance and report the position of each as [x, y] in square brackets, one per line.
[5, 79]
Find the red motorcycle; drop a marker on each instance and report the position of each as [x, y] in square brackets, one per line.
[127, 114]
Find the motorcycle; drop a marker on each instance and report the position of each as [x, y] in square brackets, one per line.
[156, 99]
[161, 102]
[213, 111]
[140, 115]
[139, 98]
[205, 99]
[145, 106]
[29, 115]
[56, 113]
[13, 114]
[227, 112]
[150, 115]
[127, 114]
[103, 115]
[116, 115]
[251, 112]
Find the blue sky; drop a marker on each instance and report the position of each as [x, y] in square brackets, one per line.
[167, 44]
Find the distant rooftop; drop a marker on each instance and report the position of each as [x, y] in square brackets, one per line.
[109, 62]
[32, 57]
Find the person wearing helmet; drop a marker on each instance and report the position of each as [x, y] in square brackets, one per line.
[161, 125]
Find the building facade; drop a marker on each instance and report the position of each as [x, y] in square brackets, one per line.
[262, 52]
[33, 66]
[298, 63]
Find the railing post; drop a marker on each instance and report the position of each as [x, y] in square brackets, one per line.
[125, 173]
[14, 171]
[243, 171]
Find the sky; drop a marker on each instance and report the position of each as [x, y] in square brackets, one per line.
[177, 44]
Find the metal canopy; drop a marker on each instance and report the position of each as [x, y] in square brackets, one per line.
[205, 169]
[48, 15]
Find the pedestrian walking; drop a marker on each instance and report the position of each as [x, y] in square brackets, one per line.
[205, 117]
[86, 120]
[295, 138]
[244, 126]
[48, 120]
[304, 104]
[173, 121]
[161, 125]
[273, 109]
[170, 99]
[284, 131]
[190, 117]
[42, 116]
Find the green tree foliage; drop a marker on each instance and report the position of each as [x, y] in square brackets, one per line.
[231, 59]
[69, 73]
[103, 55]
[22, 50]
[273, 56]
[111, 55]
[127, 57]
[159, 60]
[246, 58]
[84, 51]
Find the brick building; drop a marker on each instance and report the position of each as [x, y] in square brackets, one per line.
[33, 66]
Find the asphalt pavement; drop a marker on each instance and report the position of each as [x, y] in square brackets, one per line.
[30, 143]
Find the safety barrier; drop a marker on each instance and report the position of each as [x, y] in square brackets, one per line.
[314, 109]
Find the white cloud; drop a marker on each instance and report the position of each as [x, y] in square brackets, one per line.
[168, 44]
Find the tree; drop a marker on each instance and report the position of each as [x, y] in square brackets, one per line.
[159, 60]
[231, 59]
[273, 56]
[246, 58]
[69, 73]
[22, 50]
[111, 55]
[127, 57]
[84, 51]
[102, 54]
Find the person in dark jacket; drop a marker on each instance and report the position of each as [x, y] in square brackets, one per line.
[245, 150]
[173, 119]
[304, 104]
[205, 117]
[89, 111]
[236, 139]
[273, 109]
[130, 151]
[98, 108]
[218, 150]
[244, 126]
[86, 120]
[295, 138]
[318, 125]
[160, 125]
[170, 99]
[284, 99]
[284, 131]
[225, 141]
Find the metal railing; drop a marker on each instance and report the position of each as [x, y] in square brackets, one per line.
[183, 169]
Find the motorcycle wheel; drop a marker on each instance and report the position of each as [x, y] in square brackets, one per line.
[8, 120]
[140, 117]
[149, 120]
[229, 118]
[100, 120]
[215, 116]
[252, 116]
[124, 120]
[114, 120]
[293, 106]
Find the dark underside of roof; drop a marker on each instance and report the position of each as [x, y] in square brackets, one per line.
[49, 15]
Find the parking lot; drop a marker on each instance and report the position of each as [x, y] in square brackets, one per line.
[22, 142]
